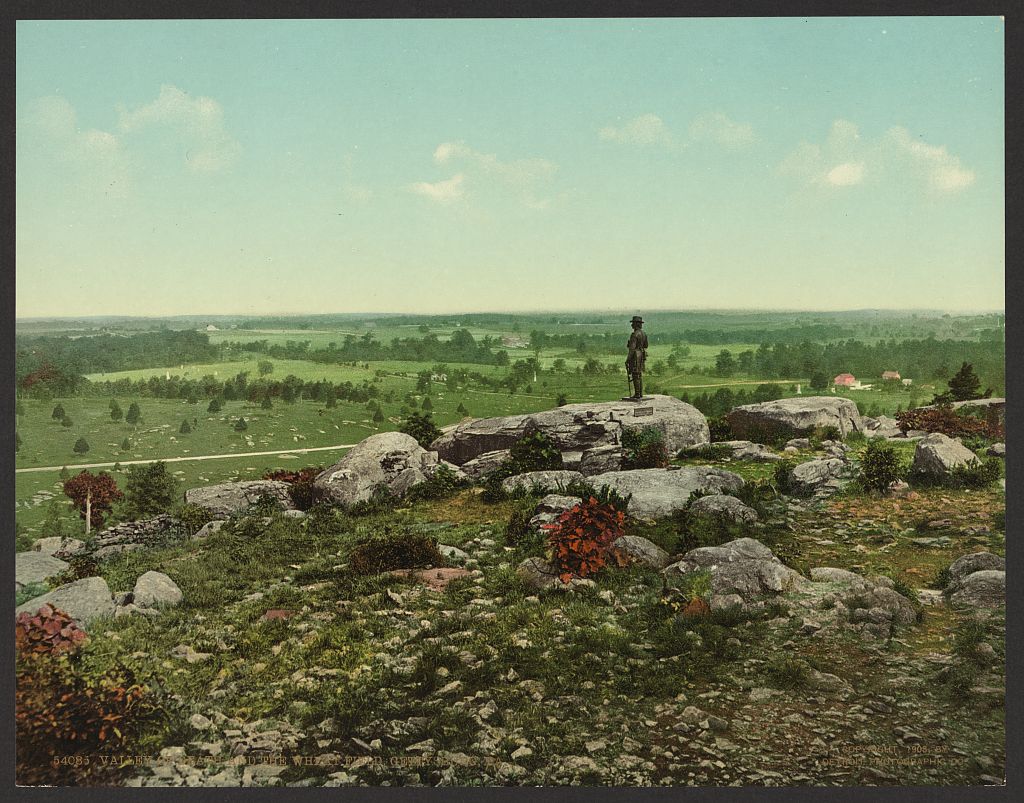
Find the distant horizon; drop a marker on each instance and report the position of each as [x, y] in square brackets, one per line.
[552, 311]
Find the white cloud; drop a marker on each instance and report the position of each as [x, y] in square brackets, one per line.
[441, 191]
[943, 171]
[717, 127]
[846, 159]
[197, 121]
[98, 158]
[846, 174]
[523, 178]
[647, 129]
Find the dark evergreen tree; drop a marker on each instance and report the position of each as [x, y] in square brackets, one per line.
[134, 414]
[185, 427]
[58, 413]
[81, 446]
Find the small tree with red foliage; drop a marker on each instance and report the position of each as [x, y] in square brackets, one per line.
[581, 539]
[93, 495]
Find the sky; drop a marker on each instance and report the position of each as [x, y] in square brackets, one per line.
[434, 166]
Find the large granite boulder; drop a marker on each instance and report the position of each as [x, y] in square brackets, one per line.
[936, 455]
[483, 464]
[534, 481]
[391, 460]
[550, 508]
[815, 475]
[82, 600]
[745, 568]
[236, 497]
[35, 567]
[984, 589]
[155, 588]
[973, 562]
[725, 507]
[882, 427]
[794, 417]
[59, 547]
[659, 492]
[601, 459]
[576, 428]
[747, 450]
[642, 551]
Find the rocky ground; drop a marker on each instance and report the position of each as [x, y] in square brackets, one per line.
[827, 652]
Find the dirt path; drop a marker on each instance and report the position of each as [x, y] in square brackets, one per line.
[183, 459]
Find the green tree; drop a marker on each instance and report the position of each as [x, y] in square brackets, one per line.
[65, 475]
[427, 404]
[288, 394]
[126, 445]
[265, 367]
[149, 489]
[185, 427]
[725, 363]
[134, 414]
[241, 425]
[216, 405]
[267, 404]
[818, 381]
[332, 399]
[561, 401]
[462, 409]
[58, 413]
[965, 384]
[81, 446]
[116, 413]
[378, 417]
[193, 398]
[422, 427]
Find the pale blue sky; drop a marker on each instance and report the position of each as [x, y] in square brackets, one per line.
[438, 165]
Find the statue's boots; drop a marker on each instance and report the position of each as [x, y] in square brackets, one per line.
[638, 386]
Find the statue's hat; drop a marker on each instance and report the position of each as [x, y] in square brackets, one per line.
[637, 319]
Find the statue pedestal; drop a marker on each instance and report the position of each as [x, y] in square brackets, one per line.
[641, 400]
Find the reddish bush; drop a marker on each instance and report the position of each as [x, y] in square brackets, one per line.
[949, 422]
[98, 492]
[65, 721]
[581, 539]
[49, 631]
[301, 482]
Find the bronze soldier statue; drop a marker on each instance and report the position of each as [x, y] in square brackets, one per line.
[637, 358]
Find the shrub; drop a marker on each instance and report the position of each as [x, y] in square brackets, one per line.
[880, 466]
[442, 483]
[644, 448]
[605, 494]
[49, 631]
[216, 405]
[81, 446]
[955, 424]
[149, 489]
[581, 538]
[29, 591]
[534, 452]
[300, 484]
[241, 425]
[194, 518]
[53, 524]
[782, 476]
[392, 549]
[942, 579]
[786, 672]
[708, 451]
[976, 474]
[518, 530]
[720, 429]
[828, 433]
[185, 428]
[421, 426]
[381, 500]
[79, 568]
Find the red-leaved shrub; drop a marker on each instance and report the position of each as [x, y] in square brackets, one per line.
[949, 422]
[49, 631]
[581, 539]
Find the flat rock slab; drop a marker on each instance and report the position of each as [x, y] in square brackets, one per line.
[434, 579]
[541, 481]
[795, 417]
[577, 427]
[659, 492]
[82, 600]
[35, 567]
[235, 497]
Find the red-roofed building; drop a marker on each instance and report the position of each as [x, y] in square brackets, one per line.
[844, 380]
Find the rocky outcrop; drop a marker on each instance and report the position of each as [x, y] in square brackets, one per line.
[576, 428]
[724, 507]
[390, 460]
[62, 548]
[794, 417]
[882, 427]
[996, 450]
[936, 455]
[838, 599]
[601, 459]
[745, 569]
[35, 567]
[83, 600]
[156, 589]
[660, 492]
[747, 450]
[642, 551]
[536, 481]
[209, 529]
[236, 497]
